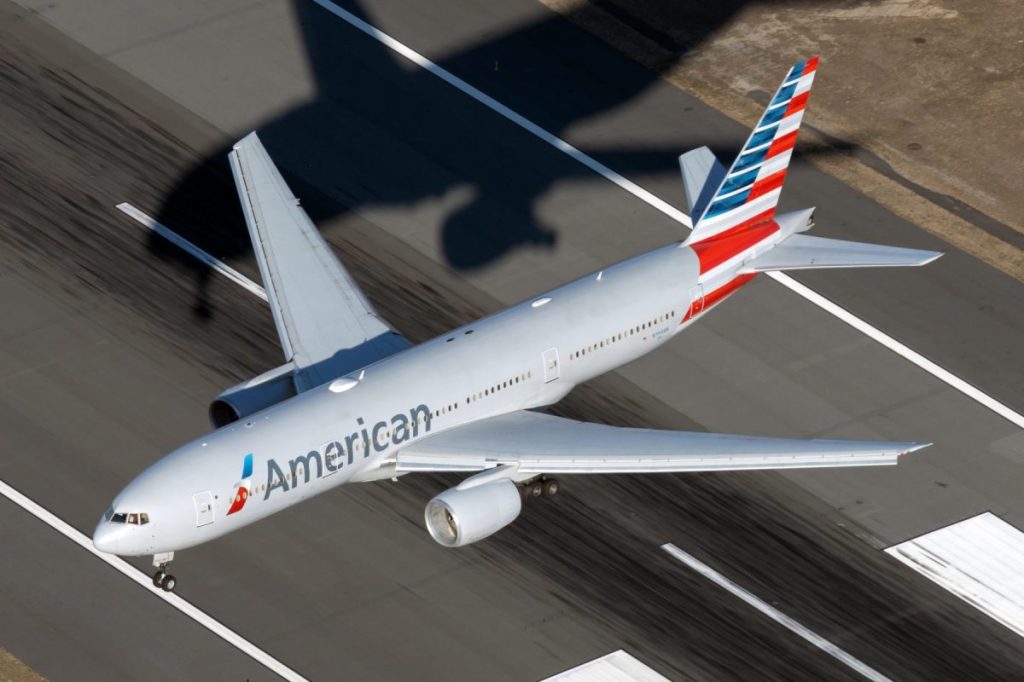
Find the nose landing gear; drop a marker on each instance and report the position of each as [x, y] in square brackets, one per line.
[162, 578]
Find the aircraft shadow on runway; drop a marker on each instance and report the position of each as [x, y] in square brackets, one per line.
[381, 132]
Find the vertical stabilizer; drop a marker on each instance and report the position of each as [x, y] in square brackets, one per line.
[750, 191]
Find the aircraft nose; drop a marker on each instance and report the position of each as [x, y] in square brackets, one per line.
[105, 537]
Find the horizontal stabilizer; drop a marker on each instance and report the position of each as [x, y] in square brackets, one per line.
[702, 174]
[803, 252]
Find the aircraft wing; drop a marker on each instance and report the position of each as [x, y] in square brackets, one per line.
[536, 443]
[326, 325]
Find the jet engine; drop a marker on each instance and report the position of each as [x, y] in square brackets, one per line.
[249, 397]
[458, 517]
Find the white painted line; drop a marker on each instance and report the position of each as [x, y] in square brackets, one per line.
[190, 610]
[182, 243]
[969, 390]
[776, 615]
[496, 106]
[618, 666]
[980, 560]
[671, 211]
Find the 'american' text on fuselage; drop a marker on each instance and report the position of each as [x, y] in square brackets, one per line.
[332, 456]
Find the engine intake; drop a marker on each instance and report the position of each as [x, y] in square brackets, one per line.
[249, 397]
[456, 518]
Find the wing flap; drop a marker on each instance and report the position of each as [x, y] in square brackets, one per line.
[803, 252]
[535, 443]
[326, 325]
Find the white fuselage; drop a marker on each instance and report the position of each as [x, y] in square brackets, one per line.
[527, 356]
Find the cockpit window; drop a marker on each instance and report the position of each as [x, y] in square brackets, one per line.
[135, 519]
[108, 514]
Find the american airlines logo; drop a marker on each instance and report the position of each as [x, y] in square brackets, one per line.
[243, 487]
[331, 457]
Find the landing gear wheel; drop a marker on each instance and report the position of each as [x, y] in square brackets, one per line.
[535, 490]
[168, 583]
[551, 487]
[158, 578]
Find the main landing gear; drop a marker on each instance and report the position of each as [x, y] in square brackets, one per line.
[162, 578]
[541, 487]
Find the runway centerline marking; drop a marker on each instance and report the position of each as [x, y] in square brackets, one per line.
[671, 211]
[122, 566]
[773, 613]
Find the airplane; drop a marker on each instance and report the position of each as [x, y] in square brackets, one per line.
[357, 402]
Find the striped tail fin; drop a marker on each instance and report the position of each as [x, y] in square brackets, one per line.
[750, 190]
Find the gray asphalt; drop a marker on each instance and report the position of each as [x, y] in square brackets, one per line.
[113, 344]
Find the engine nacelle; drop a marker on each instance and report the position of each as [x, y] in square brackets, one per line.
[249, 397]
[459, 517]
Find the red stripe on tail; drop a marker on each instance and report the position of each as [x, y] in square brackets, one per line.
[713, 252]
[798, 103]
[765, 185]
[718, 295]
[782, 144]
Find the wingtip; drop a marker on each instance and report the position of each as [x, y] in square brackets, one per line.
[914, 447]
[248, 139]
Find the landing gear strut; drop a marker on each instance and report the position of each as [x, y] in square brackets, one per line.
[162, 578]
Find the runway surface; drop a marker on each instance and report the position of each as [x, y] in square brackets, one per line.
[114, 343]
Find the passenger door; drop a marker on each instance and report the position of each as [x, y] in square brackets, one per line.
[204, 508]
[696, 300]
[550, 358]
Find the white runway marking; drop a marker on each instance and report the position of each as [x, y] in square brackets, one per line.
[496, 106]
[817, 299]
[618, 666]
[776, 615]
[980, 560]
[190, 610]
[187, 246]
